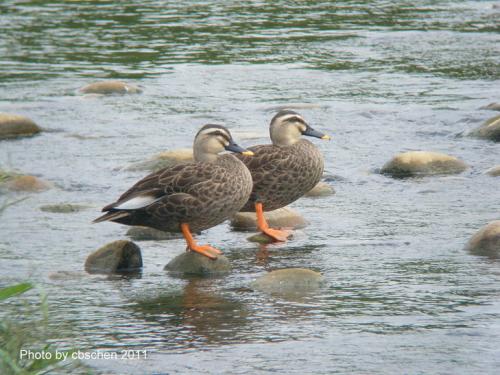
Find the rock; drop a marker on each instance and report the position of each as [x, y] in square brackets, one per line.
[110, 87]
[191, 263]
[63, 208]
[281, 218]
[260, 238]
[495, 171]
[422, 163]
[289, 280]
[489, 130]
[164, 160]
[486, 241]
[492, 106]
[13, 126]
[322, 189]
[19, 183]
[117, 256]
[148, 234]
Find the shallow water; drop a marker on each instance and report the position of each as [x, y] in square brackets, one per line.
[402, 296]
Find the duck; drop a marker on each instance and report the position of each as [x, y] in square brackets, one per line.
[191, 197]
[283, 171]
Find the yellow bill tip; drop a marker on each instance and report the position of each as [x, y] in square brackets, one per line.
[326, 137]
[248, 153]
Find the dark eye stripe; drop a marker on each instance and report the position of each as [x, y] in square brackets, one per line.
[223, 135]
[296, 119]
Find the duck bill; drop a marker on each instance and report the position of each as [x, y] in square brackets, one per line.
[233, 147]
[310, 132]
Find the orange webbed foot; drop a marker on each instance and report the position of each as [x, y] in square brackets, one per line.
[206, 250]
[279, 235]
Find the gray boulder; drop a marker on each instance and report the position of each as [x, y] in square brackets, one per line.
[489, 130]
[13, 126]
[486, 241]
[422, 163]
[281, 218]
[322, 189]
[150, 234]
[192, 263]
[117, 256]
[110, 87]
[289, 280]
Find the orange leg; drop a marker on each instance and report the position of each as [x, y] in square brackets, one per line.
[206, 250]
[275, 234]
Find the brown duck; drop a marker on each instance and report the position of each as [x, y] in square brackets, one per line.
[189, 197]
[283, 171]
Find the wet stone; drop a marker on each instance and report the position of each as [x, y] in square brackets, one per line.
[110, 88]
[63, 208]
[260, 238]
[22, 183]
[422, 163]
[280, 218]
[494, 172]
[164, 160]
[191, 263]
[486, 241]
[289, 280]
[492, 106]
[489, 130]
[322, 189]
[13, 126]
[117, 256]
[150, 234]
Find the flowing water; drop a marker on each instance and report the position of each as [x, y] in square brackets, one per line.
[401, 294]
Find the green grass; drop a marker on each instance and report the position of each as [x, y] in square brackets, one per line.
[26, 328]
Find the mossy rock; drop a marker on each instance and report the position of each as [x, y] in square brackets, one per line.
[63, 208]
[281, 218]
[494, 172]
[22, 183]
[260, 238]
[192, 263]
[322, 189]
[489, 130]
[110, 87]
[486, 241]
[422, 163]
[164, 160]
[13, 126]
[289, 280]
[117, 256]
[150, 234]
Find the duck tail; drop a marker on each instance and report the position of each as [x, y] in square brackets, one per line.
[111, 216]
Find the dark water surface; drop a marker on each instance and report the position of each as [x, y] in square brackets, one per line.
[402, 296]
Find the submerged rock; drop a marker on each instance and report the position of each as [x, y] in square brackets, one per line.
[489, 130]
[422, 163]
[117, 256]
[492, 106]
[281, 218]
[22, 183]
[289, 280]
[13, 126]
[495, 171]
[150, 234]
[260, 238]
[110, 87]
[191, 263]
[486, 241]
[322, 189]
[63, 208]
[164, 160]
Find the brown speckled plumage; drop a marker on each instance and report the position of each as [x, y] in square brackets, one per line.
[282, 174]
[202, 194]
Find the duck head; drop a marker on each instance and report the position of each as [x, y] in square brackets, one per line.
[288, 126]
[211, 140]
